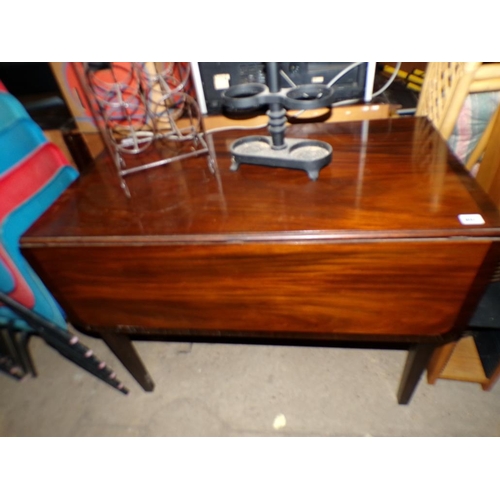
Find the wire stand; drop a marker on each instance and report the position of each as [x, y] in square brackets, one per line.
[277, 151]
[144, 106]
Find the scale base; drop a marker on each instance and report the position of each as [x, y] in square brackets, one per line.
[300, 154]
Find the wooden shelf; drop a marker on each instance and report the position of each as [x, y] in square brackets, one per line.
[461, 361]
[464, 363]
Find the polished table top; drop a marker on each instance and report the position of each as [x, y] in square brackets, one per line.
[388, 178]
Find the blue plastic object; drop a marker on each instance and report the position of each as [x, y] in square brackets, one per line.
[11, 110]
[18, 141]
[17, 222]
[6, 279]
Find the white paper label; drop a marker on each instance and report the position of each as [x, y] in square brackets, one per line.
[470, 219]
[221, 81]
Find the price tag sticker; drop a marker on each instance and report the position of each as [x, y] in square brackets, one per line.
[221, 81]
[470, 219]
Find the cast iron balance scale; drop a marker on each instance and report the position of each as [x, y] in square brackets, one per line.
[278, 151]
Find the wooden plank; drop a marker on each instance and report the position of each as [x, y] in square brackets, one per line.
[438, 361]
[393, 288]
[464, 364]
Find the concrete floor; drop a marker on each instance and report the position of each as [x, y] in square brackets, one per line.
[241, 390]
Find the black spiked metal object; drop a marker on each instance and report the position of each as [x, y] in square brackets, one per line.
[276, 150]
[65, 343]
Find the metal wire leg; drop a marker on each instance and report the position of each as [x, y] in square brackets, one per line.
[9, 359]
[21, 341]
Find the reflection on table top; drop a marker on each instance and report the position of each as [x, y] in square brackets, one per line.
[396, 177]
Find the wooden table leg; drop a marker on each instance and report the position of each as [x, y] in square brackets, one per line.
[416, 363]
[487, 386]
[125, 351]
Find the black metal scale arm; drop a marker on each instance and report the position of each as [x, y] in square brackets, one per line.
[276, 151]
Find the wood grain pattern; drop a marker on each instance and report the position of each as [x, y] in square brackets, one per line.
[387, 178]
[373, 247]
[391, 288]
[438, 361]
[464, 364]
